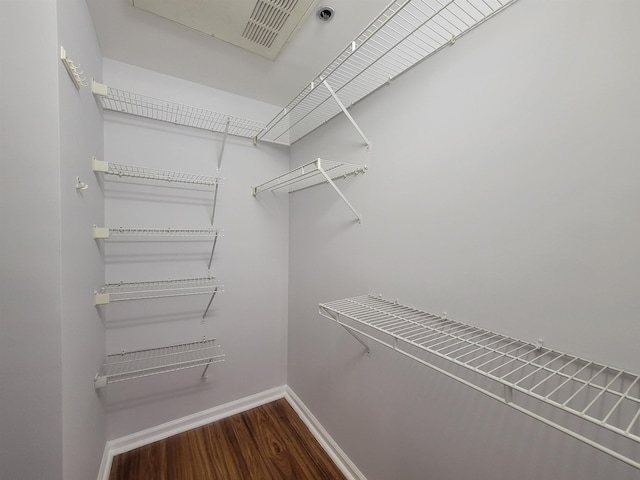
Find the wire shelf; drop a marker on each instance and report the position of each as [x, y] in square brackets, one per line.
[146, 234]
[164, 177]
[406, 33]
[607, 397]
[118, 292]
[176, 113]
[309, 175]
[143, 363]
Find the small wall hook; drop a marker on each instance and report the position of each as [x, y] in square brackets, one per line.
[77, 75]
[80, 185]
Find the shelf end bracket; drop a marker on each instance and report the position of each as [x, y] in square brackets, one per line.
[209, 304]
[340, 194]
[224, 141]
[344, 109]
[357, 337]
[99, 382]
[331, 315]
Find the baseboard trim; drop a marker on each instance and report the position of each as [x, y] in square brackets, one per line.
[165, 430]
[343, 462]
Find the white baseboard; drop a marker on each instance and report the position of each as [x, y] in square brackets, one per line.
[342, 461]
[165, 430]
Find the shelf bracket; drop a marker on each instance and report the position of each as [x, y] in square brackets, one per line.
[99, 381]
[335, 317]
[213, 249]
[344, 109]
[340, 194]
[209, 304]
[213, 210]
[224, 141]
[357, 337]
[101, 299]
[206, 367]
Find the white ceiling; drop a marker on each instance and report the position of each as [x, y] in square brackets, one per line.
[133, 36]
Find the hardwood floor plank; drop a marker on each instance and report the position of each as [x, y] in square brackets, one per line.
[145, 461]
[266, 443]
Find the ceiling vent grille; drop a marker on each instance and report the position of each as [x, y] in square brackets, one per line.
[261, 26]
[266, 21]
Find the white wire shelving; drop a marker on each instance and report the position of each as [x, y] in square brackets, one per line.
[143, 363]
[125, 291]
[149, 234]
[311, 174]
[159, 235]
[535, 380]
[404, 34]
[163, 178]
[154, 175]
[175, 113]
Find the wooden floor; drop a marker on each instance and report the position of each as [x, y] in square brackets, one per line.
[268, 442]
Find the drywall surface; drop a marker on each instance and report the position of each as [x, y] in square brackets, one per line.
[82, 266]
[502, 190]
[248, 319]
[30, 336]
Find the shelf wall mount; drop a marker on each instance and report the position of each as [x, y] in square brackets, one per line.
[589, 401]
[312, 174]
[144, 363]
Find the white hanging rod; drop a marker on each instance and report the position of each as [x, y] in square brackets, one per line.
[165, 177]
[176, 113]
[403, 35]
[311, 174]
[123, 291]
[143, 363]
[121, 233]
[604, 396]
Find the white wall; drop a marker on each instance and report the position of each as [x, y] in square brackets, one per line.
[249, 318]
[30, 310]
[503, 190]
[82, 267]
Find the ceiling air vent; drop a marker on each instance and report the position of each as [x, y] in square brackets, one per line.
[267, 20]
[263, 27]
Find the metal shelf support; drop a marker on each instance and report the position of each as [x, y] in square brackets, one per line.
[337, 190]
[343, 108]
[224, 141]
